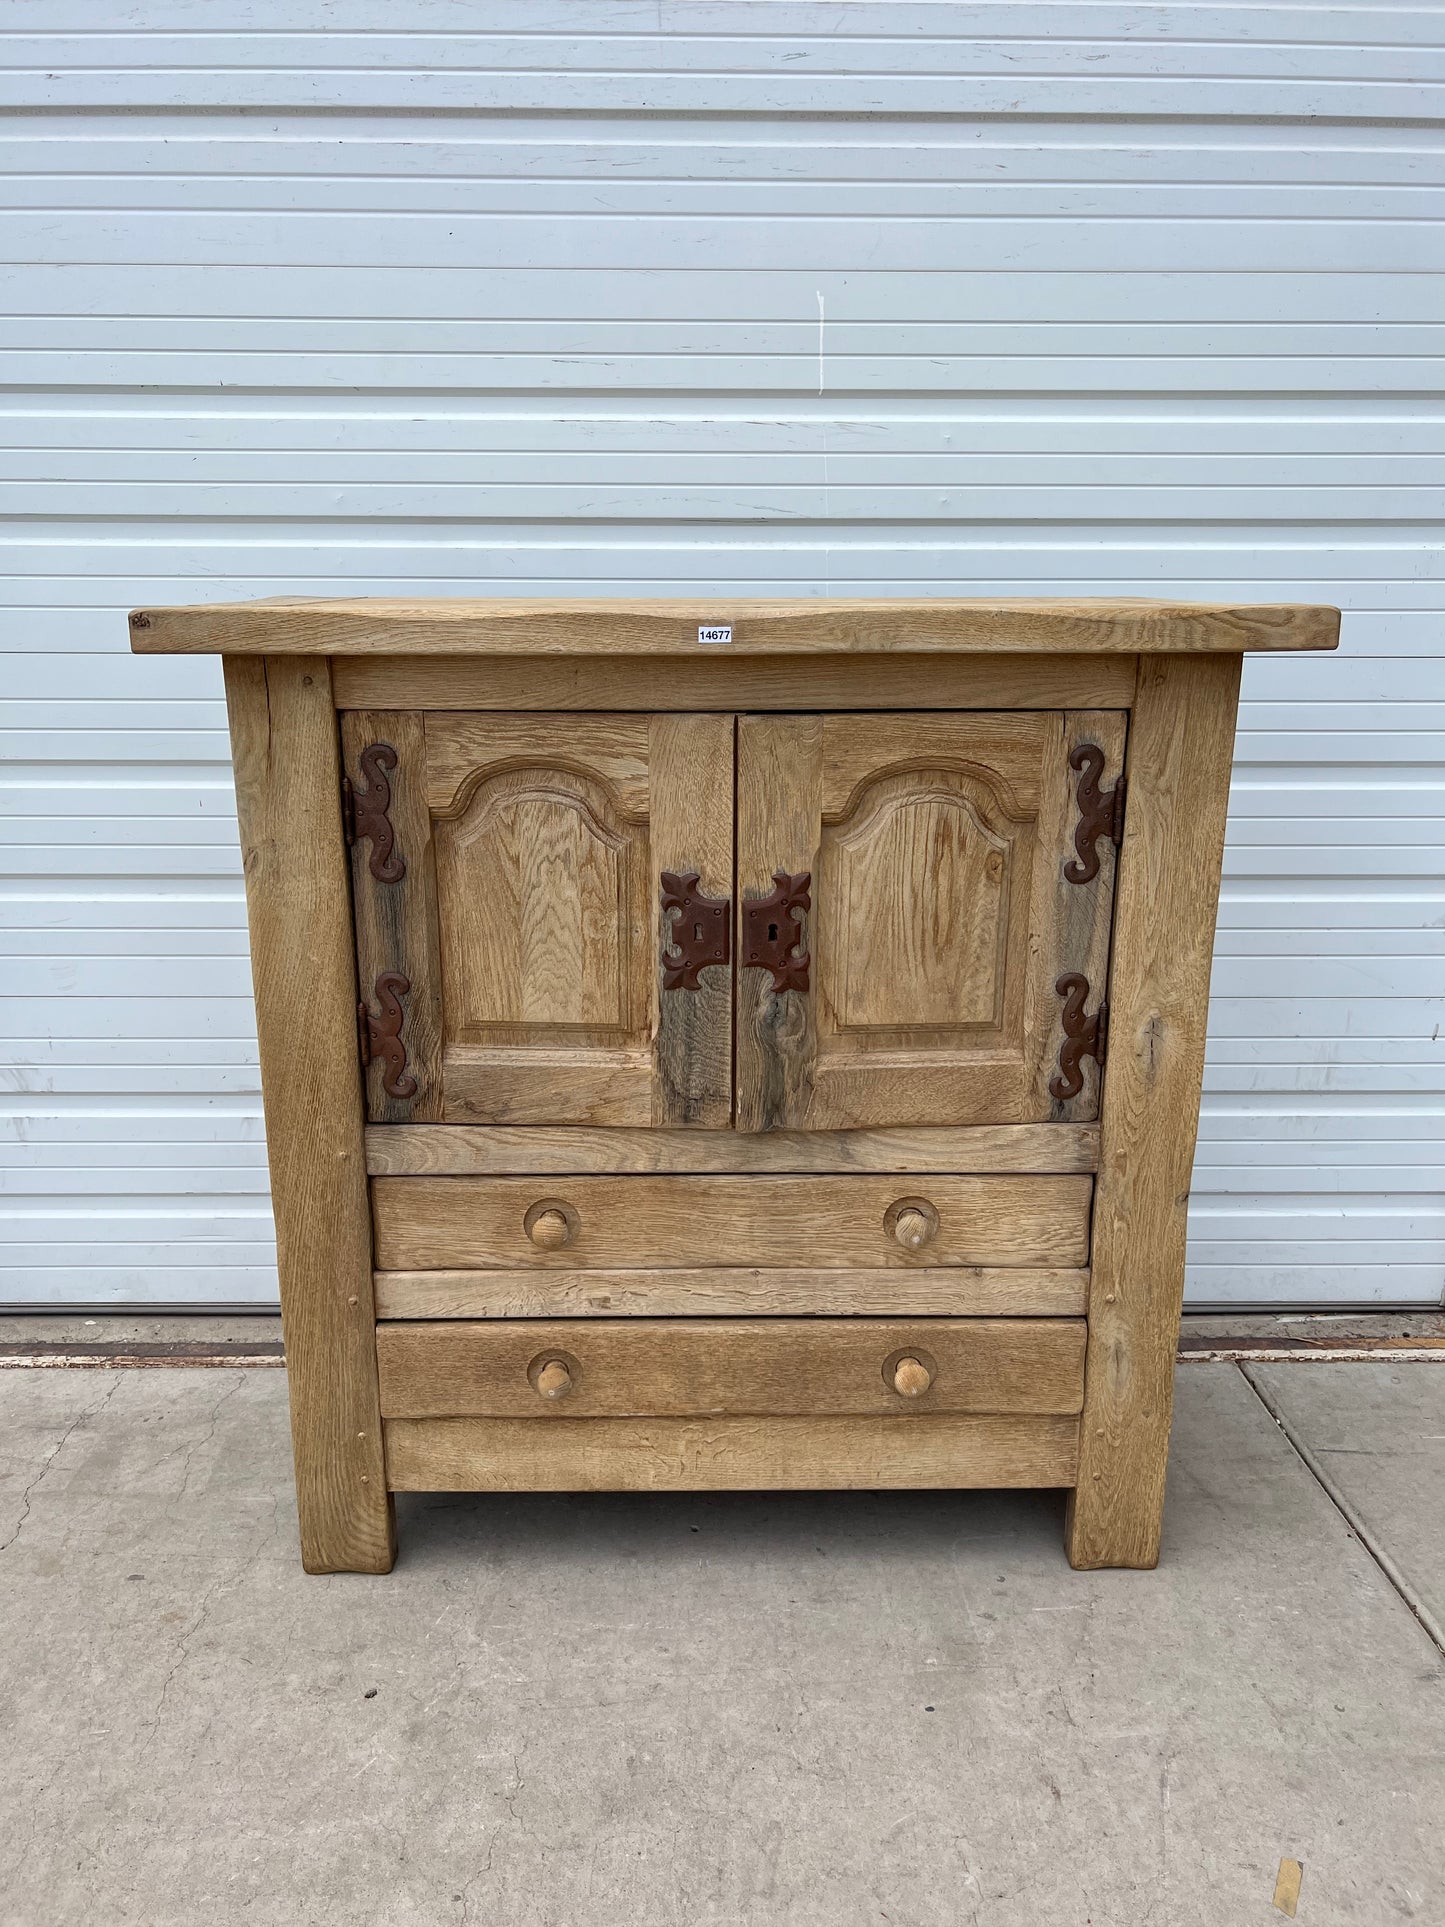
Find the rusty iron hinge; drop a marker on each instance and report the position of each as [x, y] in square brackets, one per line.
[701, 935]
[1083, 1036]
[773, 927]
[364, 813]
[381, 1036]
[1101, 813]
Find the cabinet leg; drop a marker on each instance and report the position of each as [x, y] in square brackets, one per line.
[371, 1531]
[1116, 1512]
[1181, 741]
[346, 1514]
[303, 962]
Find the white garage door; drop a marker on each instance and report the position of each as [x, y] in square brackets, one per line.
[595, 296]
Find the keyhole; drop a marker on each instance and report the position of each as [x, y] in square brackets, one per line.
[772, 933]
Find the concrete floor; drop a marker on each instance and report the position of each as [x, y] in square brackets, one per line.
[765, 1710]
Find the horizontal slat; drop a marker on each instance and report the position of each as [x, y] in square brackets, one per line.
[731, 375]
[104, 1280]
[203, 1016]
[1008, 438]
[933, 294]
[454, 1150]
[711, 683]
[430, 1223]
[1378, 1285]
[421, 148]
[703, 37]
[702, 499]
[975, 1291]
[624, 243]
[645, 194]
[781, 561]
[99, 1070]
[728, 1454]
[1299, 27]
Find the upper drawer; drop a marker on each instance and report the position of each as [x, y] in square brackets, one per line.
[821, 1222]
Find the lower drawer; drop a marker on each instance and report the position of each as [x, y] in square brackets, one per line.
[615, 1368]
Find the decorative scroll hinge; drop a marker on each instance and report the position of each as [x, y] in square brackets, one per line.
[701, 935]
[381, 1037]
[1101, 813]
[1083, 1036]
[772, 929]
[364, 813]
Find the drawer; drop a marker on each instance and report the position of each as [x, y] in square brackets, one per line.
[551, 1369]
[586, 1223]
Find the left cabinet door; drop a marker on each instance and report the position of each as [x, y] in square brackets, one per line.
[512, 908]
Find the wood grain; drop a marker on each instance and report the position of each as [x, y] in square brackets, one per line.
[722, 682]
[691, 759]
[286, 625]
[462, 751]
[396, 922]
[941, 920]
[288, 797]
[729, 1454]
[550, 835]
[780, 764]
[631, 1367]
[958, 1291]
[1181, 741]
[462, 1150]
[429, 1224]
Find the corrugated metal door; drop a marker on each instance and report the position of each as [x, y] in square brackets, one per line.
[845, 298]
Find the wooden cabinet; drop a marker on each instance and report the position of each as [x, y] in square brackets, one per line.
[775, 1064]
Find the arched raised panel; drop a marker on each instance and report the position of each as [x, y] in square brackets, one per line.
[941, 916]
[919, 881]
[535, 882]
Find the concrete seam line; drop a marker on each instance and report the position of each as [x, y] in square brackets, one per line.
[48, 1357]
[1227, 1354]
[1421, 1614]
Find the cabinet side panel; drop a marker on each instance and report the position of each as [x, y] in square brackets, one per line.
[288, 796]
[1181, 743]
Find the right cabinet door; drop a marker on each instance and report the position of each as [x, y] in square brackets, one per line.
[953, 947]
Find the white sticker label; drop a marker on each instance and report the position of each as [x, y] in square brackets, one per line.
[715, 632]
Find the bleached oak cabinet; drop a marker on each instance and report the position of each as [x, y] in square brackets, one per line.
[731, 1046]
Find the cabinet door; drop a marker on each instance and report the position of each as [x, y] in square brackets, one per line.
[528, 927]
[940, 919]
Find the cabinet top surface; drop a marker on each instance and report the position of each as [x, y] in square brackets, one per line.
[759, 627]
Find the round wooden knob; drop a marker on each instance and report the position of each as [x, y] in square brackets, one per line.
[913, 1227]
[549, 1230]
[911, 1378]
[554, 1380]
